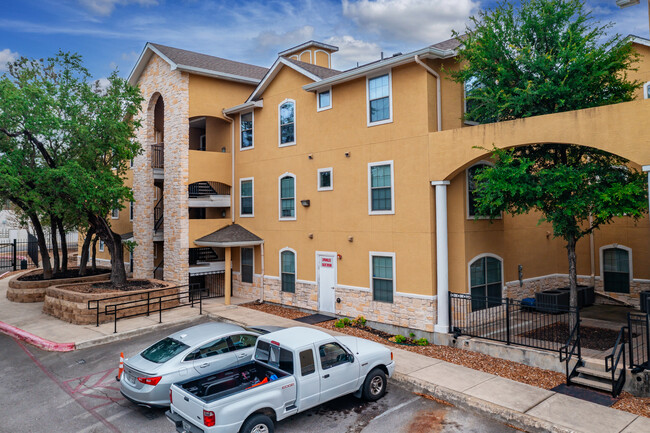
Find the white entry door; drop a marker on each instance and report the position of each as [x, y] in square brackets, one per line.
[326, 266]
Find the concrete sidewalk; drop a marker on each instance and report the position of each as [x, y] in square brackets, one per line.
[518, 404]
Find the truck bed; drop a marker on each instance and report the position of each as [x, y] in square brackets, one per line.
[223, 383]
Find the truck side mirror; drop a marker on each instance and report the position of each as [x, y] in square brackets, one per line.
[350, 357]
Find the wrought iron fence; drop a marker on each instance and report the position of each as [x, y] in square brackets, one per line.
[639, 346]
[548, 327]
[211, 284]
[25, 254]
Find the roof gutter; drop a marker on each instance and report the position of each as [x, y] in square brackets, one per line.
[228, 244]
[243, 107]
[403, 59]
[438, 95]
[215, 74]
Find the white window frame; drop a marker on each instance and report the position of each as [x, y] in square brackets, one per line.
[630, 263]
[243, 179]
[480, 256]
[295, 195]
[390, 98]
[295, 267]
[323, 170]
[241, 269]
[101, 246]
[372, 254]
[471, 217]
[295, 123]
[646, 86]
[113, 212]
[252, 112]
[318, 107]
[392, 189]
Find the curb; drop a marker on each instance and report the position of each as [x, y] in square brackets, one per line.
[491, 410]
[35, 340]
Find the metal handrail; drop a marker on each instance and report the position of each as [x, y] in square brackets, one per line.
[160, 266]
[612, 361]
[566, 355]
[158, 213]
[157, 155]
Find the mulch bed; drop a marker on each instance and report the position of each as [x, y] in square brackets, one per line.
[107, 286]
[534, 376]
[70, 273]
[591, 338]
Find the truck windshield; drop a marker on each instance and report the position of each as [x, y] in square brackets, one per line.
[274, 356]
[163, 351]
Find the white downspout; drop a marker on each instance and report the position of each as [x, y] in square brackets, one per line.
[262, 287]
[592, 253]
[232, 168]
[438, 97]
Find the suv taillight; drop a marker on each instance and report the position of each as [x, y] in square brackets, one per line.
[208, 418]
[150, 380]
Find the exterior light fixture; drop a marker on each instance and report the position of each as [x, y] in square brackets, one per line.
[305, 203]
[347, 154]
[310, 156]
[350, 239]
[310, 236]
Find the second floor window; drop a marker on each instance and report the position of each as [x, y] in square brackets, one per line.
[246, 126]
[115, 214]
[381, 188]
[246, 197]
[131, 211]
[287, 197]
[379, 109]
[287, 123]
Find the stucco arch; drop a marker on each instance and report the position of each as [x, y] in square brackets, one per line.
[618, 129]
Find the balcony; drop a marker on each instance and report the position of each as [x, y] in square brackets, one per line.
[209, 194]
[205, 260]
[209, 166]
[158, 160]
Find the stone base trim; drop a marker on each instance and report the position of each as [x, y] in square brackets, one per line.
[34, 291]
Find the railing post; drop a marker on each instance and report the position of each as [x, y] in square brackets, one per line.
[200, 303]
[647, 336]
[15, 246]
[160, 309]
[578, 334]
[508, 321]
[148, 299]
[114, 318]
[451, 324]
[97, 311]
[630, 346]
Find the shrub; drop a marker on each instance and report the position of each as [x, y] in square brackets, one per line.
[400, 338]
[342, 323]
[360, 321]
[412, 335]
[422, 342]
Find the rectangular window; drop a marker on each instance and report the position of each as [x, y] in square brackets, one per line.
[324, 100]
[246, 125]
[381, 199]
[247, 265]
[287, 123]
[287, 198]
[325, 179]
[307, 365]
[246, 197]
[115, 214]
[101, 245]
[131, 209]
[646, 90]
[616, 270]
[379, 100]
[382, 277]
[288, 268]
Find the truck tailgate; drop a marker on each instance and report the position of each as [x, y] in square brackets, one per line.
[187, 406]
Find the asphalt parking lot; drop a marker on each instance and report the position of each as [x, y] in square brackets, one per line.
[77, 392]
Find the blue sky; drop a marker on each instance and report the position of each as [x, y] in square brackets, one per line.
[111, 33]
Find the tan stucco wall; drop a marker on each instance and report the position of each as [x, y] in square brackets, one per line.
[209, 96]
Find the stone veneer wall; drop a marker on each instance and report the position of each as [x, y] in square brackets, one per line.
[157, 80]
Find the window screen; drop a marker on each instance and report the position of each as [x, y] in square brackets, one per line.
[247, 265]
[380, 187]
[382, 279]
[616, 270]
[379, 98]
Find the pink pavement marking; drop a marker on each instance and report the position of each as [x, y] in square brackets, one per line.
[37, 341]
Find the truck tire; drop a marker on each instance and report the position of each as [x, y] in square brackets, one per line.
[258, 423]
[374, 387]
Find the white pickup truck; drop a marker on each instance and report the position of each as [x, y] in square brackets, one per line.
[292, 370]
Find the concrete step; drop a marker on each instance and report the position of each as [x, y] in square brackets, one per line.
[601, 374]
[591, 383]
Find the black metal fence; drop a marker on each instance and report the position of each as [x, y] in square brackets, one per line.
[24, 254]
[639, 345]
[210, 284]
[510, 321]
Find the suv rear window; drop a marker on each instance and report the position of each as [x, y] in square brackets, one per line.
[163, 351]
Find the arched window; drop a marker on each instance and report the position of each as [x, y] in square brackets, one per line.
[287, 197]
[616, 268]
[486, 282]
[287, 120]
[288, 270]
[471, 188]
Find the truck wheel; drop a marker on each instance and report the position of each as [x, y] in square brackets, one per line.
[258, 423]
[374, 386]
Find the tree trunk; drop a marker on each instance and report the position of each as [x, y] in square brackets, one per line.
[573, 286]
[42, 246]
[94, 262]
[114, 243]
[83, 263]
[64, 245]
[55, 244]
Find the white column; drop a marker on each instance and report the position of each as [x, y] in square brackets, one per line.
[442, 256]
[646, 168]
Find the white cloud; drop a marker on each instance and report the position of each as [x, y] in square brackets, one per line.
[282, 41]
[106, 7]
[420, 21]
[6, 56]
[351, 51]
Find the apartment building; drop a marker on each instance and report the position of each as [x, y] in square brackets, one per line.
[350, 192]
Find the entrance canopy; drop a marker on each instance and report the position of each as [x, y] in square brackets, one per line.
[233, 235]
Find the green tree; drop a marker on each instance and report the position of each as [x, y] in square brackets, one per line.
[70, 141]
[549, 56]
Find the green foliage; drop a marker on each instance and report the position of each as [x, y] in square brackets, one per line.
[130, 245]
[400, 339]
[342, 323]
[412, 335]
[360, 321]
[422, 342]
[546, 56]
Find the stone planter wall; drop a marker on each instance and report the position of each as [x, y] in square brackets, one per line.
[34, 291]
[71, 306]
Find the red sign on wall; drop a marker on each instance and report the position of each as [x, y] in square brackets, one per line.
[326, 262]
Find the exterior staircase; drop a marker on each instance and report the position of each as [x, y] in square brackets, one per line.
[595, 375]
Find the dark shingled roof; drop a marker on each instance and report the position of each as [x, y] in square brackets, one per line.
[319, 71]
[449, 44]
[231, 234]
[126, 236]
[212, 63]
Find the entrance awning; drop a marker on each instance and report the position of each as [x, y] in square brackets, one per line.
[127, 236]
[233, 235]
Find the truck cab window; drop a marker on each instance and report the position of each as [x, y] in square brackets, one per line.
[307, 365]
[331, 355]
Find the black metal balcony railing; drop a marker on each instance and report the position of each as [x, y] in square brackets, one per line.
[202, 255]
[158, 213]
[157, 155]
[199, 189]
